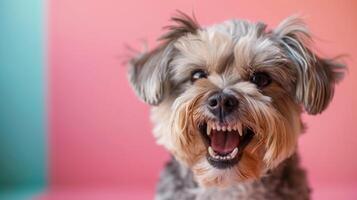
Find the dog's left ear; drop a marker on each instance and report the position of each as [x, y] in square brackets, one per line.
[316, 77]
[149, 72]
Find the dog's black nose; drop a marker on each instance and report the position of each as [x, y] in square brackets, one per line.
[221, 104]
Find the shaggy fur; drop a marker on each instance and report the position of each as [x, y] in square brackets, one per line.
[288, 181]
[267, 117]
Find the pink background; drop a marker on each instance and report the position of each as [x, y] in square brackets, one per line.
[100, 135]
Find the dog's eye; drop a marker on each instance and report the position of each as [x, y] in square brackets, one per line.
[198, 74]
[261, 79]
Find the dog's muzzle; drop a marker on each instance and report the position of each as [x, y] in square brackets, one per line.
[224, 138]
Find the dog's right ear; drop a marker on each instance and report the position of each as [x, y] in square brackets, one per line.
[148, 73]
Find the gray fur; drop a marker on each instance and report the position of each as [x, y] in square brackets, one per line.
[286, 182]
[316, 76]
[148, 74]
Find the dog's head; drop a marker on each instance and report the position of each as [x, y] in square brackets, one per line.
[226, 99]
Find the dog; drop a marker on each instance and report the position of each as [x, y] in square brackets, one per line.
[226, 102]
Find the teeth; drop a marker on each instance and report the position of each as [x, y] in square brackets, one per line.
[230, 156]
[211, 152]
[208, 129]
[239, 129]
[213, 126]
[234, 153]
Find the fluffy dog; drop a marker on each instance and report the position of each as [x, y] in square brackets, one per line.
[226, 103]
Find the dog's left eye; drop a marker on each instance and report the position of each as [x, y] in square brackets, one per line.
[260, 79]
[198, 74]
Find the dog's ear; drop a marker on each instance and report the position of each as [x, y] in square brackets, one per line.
[316, 76]
[149, 72]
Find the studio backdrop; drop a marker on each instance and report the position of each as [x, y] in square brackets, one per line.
[71, 126]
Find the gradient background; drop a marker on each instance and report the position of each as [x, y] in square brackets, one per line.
[71, 127]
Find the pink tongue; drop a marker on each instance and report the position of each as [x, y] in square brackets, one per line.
[222, 142]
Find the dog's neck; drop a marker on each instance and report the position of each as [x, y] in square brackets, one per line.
[287, 181]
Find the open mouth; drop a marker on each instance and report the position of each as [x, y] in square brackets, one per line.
[225, 142]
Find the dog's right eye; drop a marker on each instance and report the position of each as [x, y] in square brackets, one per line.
[260, 79]
[198, 74]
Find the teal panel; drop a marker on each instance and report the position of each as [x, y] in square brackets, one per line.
[22, 99]
[27, 193]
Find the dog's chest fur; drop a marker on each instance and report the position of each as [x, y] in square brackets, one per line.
[286, 182]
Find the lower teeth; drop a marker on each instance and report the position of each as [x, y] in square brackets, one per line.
[230, 156]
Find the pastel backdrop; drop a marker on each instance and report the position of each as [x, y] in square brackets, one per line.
[93, 136]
